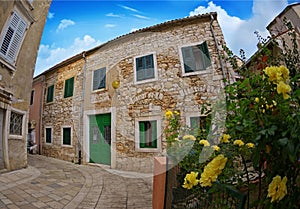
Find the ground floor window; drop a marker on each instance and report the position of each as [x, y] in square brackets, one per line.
[148, 134]
[16, 123]
[48, 135]
[66, 136]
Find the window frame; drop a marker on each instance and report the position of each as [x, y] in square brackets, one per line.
[66, 88]
[158, 134]
[197, 72]
[188, 117]
[48, 93]
[10, 59]
[154, 68]
[105, 81]
[51, 129]
[23, 113]
[62, 136]
[32, 96]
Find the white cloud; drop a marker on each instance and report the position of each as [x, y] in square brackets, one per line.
[64, 24]
[48, 56]
[112, 15]
[133, 29]
[129, 8]
[238, 33]
[50, 15]
[110, 25]
[142, 17]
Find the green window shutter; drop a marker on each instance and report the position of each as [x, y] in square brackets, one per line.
[99, 79]
[188, 59]
[154, 134]
[48, 135]
[69, 87]
[67, 136]
[142, 134]
[205, 55]
[50, 93]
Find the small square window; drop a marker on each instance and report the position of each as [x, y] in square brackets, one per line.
[69, 87]
[50, 94]
[199, 123]
[48, 135]
[144, 67]
[195, 58]
[16, 122]
[99, 79]
[67, 136]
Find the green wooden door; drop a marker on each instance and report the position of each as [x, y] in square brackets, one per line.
[100, 139]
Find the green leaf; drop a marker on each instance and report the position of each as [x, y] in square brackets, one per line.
[283, 141]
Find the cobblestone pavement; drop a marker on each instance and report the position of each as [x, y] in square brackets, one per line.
[52, 183]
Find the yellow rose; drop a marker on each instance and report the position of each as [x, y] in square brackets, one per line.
[238, 142]
[191, 137]
[250, 145]
[283, 89]
[225, 138]
[277, 188]
[216, 148]
[190, 180]
[284, 71]
[169, 114]
[204, 142]
[256, 100]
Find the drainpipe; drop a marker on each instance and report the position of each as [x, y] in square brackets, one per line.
[40, 114]
[218, 50]
[81, 110]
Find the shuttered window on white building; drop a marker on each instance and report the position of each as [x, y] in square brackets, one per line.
[12, 37]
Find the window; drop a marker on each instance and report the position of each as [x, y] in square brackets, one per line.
[31, 97]
[67, 136]
[12, 37]
[99, 79]
[50, 93]
[144, 68]
[195, 58]
[69, 86]
[199, 123]
[48, 135]
[16, 122]
[148, 134]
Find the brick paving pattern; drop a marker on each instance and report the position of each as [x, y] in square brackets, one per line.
[51, 183]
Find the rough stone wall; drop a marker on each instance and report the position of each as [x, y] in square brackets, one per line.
[63, 112]
[171, 90]
[17, 80]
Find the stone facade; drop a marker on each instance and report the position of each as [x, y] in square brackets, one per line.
[132, 102]
[17, 62]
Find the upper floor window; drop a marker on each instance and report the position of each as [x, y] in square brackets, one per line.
[195, 58]
[145, 68]
[50, 93]
[31, 97]
[12, 37]
[69, 87]
[99, 79]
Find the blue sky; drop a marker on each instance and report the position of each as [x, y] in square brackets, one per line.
[74, 26]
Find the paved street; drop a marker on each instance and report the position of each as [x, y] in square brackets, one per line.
[52, 183]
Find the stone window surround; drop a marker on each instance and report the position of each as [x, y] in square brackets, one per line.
[62, 136]
[155, 69]
[207, 71]
[24, 129]
[192, 114]
[45, 134]
[22, 12]
[159, 134]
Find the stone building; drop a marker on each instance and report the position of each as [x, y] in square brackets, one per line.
[21, 26]
[121, 90]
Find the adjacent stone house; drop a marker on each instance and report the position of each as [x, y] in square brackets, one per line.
[21, 27]
[121, 90]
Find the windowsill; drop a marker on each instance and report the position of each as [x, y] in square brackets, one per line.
[196, 73]
[147, 150]
[17, 137]
[49, 103]
[99, 91]
[145, 81]
[48, 144]
[6, 64]
[67, 146]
